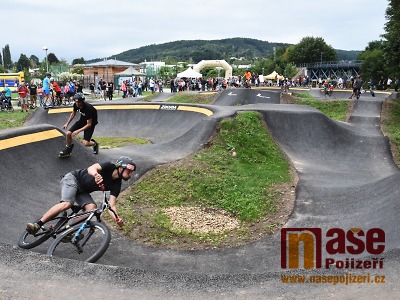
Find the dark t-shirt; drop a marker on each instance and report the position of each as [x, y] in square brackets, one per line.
[33, 89]
[87, 183]
[87, 112]
[358, 83]
[79, 88]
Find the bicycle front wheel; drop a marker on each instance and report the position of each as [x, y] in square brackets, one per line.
[91, 244]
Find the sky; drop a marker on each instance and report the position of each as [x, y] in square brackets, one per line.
[100, 29]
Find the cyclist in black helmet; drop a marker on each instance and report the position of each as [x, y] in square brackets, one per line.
[77, 185]
[86, 123]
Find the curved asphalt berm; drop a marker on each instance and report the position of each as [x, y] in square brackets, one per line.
[347, 179]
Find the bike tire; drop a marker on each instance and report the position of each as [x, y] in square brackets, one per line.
[29, 241]
[95, 241]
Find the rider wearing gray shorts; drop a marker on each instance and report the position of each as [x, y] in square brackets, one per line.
[72, 192]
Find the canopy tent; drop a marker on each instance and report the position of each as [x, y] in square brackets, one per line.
[189, 73]
[129, 72]
[271, 76]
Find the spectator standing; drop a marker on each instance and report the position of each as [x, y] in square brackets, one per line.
[91, 88]
[389, 82]
[78, 87]
[160, 86]
[23, 96]
[40, 94]
[172, 86]
[46, 90]
[110, 90]
[123, 88]
[71, 90]
[33, 94]
[104, 89]
[140, 87]
[56, 89]
[152, 85]
[381, 84]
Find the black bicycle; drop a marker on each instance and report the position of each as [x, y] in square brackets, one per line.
[75, 235]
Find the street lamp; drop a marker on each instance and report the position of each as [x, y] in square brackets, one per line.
[47, 59]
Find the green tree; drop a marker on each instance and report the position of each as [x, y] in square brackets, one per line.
[78, 61]
[311, 50]
[7, 62]
[52, 58]
[373, 57]
[392, 44]
[1, 60]
[23, 63]
[166, 72]
[34, 61]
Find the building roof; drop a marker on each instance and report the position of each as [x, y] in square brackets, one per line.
[110, 63]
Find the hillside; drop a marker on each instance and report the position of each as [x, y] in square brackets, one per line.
[193, 51]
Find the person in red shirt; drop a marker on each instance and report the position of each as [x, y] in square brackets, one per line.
[23, 96]
[57, 90]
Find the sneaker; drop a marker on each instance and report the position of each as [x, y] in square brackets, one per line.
[32, 228]
[95, 147]
[67, 150]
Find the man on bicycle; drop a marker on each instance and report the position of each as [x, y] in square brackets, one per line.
[77, 185]
[86, 123]
[357, 85]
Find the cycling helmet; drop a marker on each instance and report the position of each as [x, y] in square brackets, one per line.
[48, 74]
[126, 163]
[79, 97]
[51, 79]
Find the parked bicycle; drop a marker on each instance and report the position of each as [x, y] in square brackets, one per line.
[76, 235]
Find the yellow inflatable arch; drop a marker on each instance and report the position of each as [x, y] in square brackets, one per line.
[214, 63]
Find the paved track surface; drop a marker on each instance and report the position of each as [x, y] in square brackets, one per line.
[347, 180]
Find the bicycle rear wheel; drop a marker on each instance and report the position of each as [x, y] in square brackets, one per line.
[29, 241]
[90, 246]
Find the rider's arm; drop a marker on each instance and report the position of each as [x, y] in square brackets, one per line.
[71, 116]
[88, 125]
[113, 204]
[94, 170]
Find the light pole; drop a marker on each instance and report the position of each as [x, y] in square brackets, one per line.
[47, 60]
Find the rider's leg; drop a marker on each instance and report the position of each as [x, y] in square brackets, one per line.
[69, 138]
[55, 210]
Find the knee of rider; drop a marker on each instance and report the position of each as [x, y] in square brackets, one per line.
[90, 206]
[66, 205]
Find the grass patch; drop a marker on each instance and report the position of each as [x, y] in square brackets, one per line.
[390, 126]
[241, 171]
[337, 109]
[13, 119]
[199, 98]
[304, 95]
[115, 142]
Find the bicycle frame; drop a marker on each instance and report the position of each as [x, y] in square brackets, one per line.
[97, 212]
[75, 215]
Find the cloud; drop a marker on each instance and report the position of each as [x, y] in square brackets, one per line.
[96, 29]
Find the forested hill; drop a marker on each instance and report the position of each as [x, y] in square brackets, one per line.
[193, 51]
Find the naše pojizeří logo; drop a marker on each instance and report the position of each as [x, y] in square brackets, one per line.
[302, 247]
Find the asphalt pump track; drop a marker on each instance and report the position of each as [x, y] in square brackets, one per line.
[347, 179]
